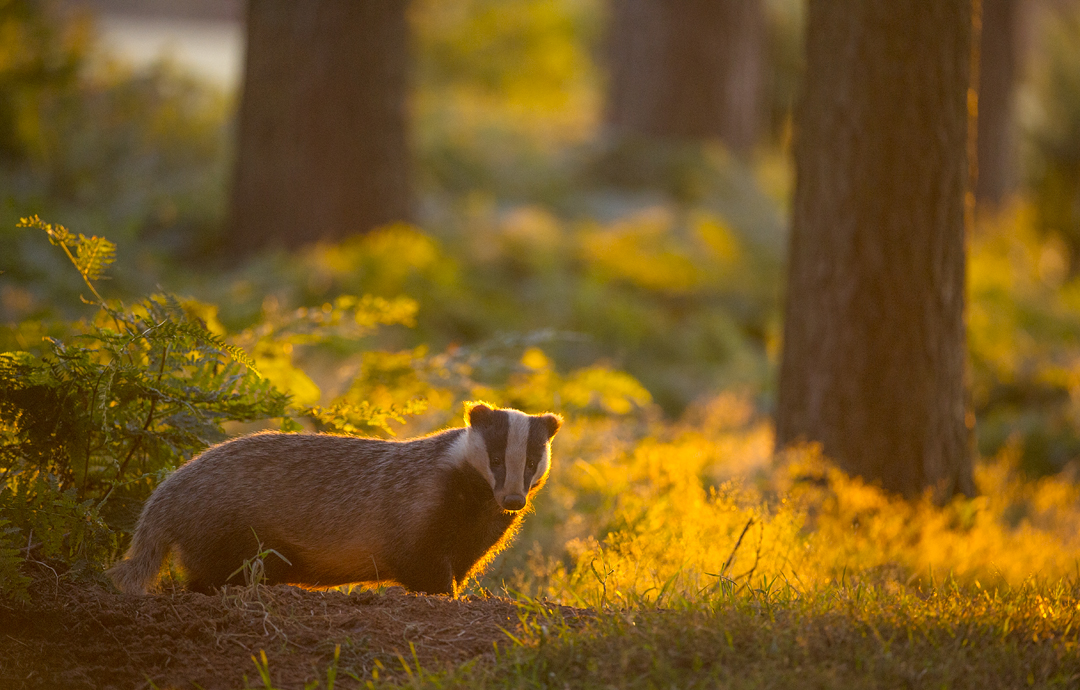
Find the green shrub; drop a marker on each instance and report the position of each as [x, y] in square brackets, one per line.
[90, 422]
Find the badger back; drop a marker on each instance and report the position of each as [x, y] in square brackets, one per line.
[511, 449]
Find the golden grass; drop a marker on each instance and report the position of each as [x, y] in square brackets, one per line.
[683, 509]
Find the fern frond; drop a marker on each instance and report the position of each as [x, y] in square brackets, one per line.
[353, 418]
[58, 235]
[202, 335]
[171, 304]
[93, 255]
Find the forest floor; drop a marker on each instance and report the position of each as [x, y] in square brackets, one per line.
[80, 636]
[854, 634]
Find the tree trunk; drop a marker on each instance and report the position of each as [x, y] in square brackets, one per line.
[322, 151]
[874, 342]
[688, 69]
[997, 76]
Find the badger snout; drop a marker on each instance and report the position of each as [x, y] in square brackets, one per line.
[513, 502]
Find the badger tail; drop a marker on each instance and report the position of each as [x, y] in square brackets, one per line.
[140, 567]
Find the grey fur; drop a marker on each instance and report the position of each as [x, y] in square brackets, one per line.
[338, 509]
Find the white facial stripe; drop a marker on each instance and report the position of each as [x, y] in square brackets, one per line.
[475, 453]
[517, 443]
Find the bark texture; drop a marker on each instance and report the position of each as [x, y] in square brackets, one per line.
[874, 342]
[998, 50]
[322, 149]
[688, 69]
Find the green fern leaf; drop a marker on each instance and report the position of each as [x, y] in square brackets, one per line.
[202, 335]
[93, 255]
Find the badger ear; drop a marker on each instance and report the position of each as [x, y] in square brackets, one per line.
[478, 414]
[553, 423]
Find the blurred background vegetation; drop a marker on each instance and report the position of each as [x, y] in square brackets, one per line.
[633, 283]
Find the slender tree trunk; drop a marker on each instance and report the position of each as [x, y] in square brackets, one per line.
[997, 77]
[688, 69]
[322, 150]
[874, 342]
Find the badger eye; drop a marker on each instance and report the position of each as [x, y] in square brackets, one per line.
[496, 461]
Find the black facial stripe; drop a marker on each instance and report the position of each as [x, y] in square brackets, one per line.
[534, 447]
[494, 432]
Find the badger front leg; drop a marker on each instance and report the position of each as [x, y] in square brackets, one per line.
[428, 575]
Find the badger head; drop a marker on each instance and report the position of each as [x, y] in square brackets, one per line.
[511, 449]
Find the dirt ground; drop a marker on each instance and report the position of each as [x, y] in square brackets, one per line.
[87, 636]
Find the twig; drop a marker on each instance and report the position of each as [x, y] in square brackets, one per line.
[89, 437]
[29, 547]
[56, 590]
[737, 544]
[757, 554]
[149, 416]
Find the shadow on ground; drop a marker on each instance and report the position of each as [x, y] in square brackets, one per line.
[75, 636]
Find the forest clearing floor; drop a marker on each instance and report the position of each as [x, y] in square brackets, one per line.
[842, 635]
[80, 636]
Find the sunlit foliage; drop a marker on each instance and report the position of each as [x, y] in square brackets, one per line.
[1024, 340]
[681, 512]
[680, 301]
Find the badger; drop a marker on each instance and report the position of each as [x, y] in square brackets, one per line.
[326, 510]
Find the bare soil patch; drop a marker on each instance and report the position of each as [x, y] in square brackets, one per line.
[80, 636]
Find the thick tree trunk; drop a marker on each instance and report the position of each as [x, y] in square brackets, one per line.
[688, 69]
[997, 77]
[322, 150]
[874, 342]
